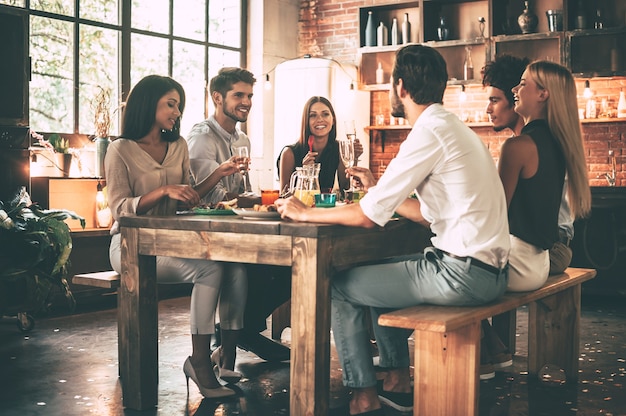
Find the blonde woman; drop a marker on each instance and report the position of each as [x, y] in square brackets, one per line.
[532, 168]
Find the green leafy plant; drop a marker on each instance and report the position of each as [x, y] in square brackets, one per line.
[36, 245]
[59, 144]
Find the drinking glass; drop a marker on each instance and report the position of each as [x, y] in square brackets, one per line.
[346, 150]
[243, 158]
[351, 134]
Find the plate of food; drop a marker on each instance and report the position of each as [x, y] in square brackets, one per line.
[221, 208]
[258, 212]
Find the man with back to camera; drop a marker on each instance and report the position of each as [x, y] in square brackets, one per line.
[211, 143]
[500, 77]
[459, 196]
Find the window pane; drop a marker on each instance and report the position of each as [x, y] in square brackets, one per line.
[99, 65]
[51, 87]
[189, 71]
[65, 7]
[189, 19]
[100, 10]
[219, 58]
[148, 55]
[225, 23]
[152, 15]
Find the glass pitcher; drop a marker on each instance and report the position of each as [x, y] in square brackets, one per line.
[304, 183]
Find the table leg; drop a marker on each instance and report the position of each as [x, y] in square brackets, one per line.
[310, 327]
[554, 331]
[446, 372]
[137, 325]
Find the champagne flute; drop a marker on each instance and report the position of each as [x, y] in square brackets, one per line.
[243, 158]
[350, 128]
[346, 150]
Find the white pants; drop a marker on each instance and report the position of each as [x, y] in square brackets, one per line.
[528, 266]
[212, 282]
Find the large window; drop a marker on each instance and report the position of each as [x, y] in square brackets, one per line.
[79, 47]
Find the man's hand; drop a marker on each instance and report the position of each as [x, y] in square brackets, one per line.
[291, 208]
[363, 175]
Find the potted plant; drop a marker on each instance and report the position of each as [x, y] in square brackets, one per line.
[59, 149]
[36, 245]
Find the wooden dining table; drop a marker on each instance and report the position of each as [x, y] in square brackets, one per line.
[314, 252]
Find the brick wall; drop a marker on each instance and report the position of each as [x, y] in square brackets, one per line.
[330, 28]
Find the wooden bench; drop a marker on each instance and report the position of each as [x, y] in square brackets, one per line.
[447, 340]
[106, 280]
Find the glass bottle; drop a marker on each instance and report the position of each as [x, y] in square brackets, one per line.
[468, 65]
[370, 35]
[581, 19]
[442, 30]
[381, 35]
[394, 32]
[406, 30]
[380, 74]
[527, 20]
[599, 22]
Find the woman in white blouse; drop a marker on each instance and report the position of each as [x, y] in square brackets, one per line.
[147, 173]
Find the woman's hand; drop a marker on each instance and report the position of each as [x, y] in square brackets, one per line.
[363, 175]
[309, 158]
[183, 193]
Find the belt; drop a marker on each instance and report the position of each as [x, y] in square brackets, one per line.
[563, 238]
[473, 262]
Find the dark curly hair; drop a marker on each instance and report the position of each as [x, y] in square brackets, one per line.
[504, 73]
[423, 72]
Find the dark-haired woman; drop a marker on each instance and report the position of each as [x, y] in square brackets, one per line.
[147, 172]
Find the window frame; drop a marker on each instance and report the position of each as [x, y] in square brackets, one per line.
[126, 31]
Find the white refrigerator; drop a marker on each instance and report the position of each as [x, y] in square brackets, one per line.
[297, 80]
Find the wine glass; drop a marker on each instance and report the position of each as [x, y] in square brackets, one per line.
[243, 158]
[346, 150]
[351, 134]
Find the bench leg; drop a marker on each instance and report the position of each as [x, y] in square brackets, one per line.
[446, 372]
[504, 326]
[553, 332]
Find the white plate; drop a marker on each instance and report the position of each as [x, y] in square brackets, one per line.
[250, 213]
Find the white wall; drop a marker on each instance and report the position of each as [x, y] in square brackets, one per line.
[269, 43]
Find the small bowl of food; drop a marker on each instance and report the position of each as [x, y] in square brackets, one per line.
[325, 200]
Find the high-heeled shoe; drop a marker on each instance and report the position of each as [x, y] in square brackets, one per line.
[229, 376]
[209, 393]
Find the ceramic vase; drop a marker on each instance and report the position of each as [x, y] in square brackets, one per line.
[442, 30]
[527, 20]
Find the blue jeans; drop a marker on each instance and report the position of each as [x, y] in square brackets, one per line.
[394, 284]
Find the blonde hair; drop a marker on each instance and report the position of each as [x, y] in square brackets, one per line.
[562, 114]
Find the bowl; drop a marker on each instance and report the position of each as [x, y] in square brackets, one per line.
[325, 200]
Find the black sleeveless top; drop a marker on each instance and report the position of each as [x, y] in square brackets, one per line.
[534, 208]
[329, 160]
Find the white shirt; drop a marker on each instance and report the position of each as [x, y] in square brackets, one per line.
[456, 182]
[209, 146]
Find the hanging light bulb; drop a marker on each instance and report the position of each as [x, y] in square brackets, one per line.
[103, 212]
[462, 94]
[268, 84]
[587, 93]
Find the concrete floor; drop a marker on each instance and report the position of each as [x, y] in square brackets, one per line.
[67, 365]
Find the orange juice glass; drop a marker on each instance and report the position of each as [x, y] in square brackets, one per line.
[269, 196]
